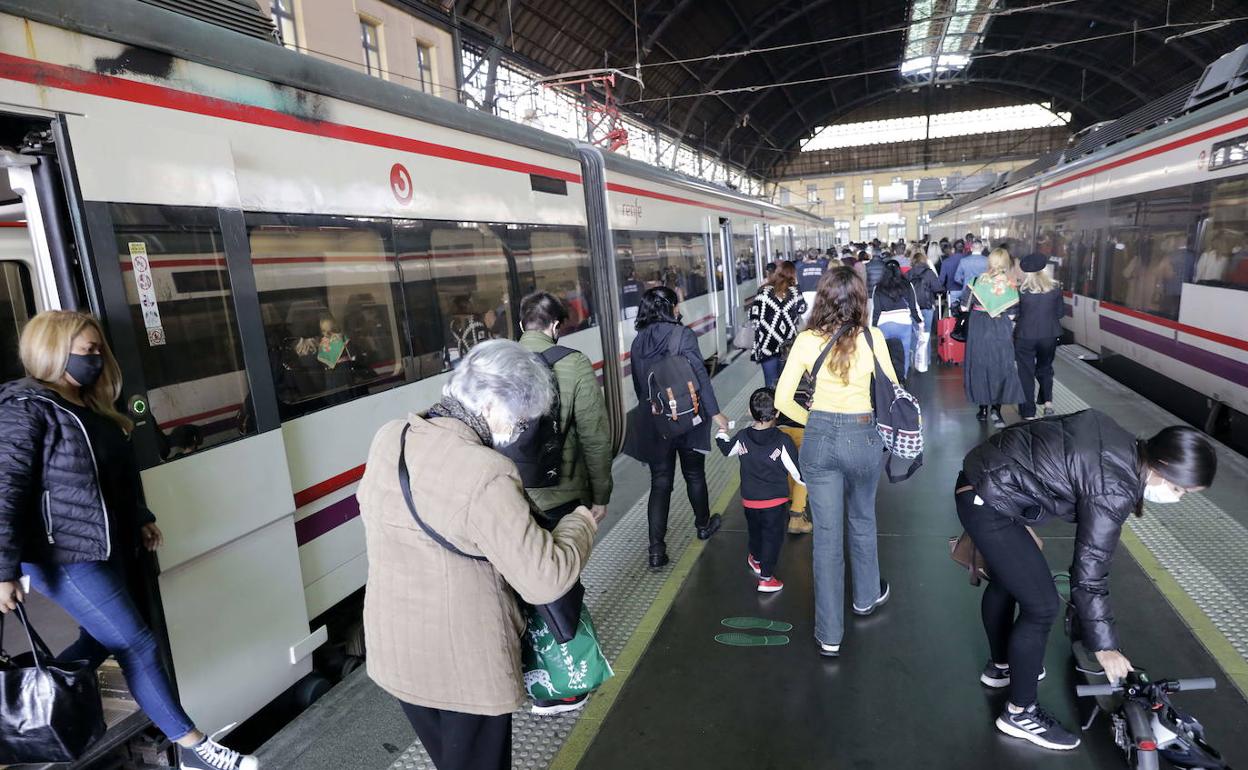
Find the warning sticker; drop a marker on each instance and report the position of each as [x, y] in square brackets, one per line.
[141, 268]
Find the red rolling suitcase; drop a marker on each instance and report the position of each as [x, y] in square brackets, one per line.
[948, 350]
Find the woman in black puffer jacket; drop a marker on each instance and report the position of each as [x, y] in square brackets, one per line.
[1084, 469]
[72, 512]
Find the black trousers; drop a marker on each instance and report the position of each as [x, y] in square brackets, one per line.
[1035, 362]
[662, 478]
[458, 741]
[1020, 580]
[551, 517]
[767, 528]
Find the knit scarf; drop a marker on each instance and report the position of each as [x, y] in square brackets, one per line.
[454, 409]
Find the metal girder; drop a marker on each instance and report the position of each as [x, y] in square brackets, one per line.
[869, 98]
[1123, 22]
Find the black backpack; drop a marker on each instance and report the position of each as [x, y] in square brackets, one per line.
[673, 388]
[538, 452]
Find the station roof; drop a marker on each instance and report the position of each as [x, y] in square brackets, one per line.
[837, 60]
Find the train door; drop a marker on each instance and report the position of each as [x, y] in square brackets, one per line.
[768, 254]
[761, 255]
[732, 278]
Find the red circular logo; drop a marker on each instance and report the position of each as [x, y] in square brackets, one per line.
[401, 183]
[1202, 159]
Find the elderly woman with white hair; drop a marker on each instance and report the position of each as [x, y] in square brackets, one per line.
[451, 542]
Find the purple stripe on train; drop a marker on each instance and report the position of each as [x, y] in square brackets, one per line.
[333, 515]
[1221, 366]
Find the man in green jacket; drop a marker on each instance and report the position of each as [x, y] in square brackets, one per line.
[585, 472]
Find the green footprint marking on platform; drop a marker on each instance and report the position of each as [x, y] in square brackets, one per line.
[757, 624]
[749, 640]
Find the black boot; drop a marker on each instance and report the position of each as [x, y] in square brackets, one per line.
[658, 556]
[711, 527]
[982, 414]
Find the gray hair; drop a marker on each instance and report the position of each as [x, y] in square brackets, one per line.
[504, 376]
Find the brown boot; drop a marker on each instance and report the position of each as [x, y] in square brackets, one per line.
[800, 525]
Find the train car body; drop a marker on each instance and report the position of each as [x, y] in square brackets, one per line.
[1149, 237]
[287, 254]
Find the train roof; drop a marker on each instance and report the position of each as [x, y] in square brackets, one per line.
[1217, 93]
[176, 35]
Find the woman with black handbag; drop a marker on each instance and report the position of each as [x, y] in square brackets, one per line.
[776, 314]
[446, 561]
[72, 513]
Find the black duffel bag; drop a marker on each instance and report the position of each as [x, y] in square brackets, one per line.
[50, 709]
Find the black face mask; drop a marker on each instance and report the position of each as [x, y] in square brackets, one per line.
[85, 369]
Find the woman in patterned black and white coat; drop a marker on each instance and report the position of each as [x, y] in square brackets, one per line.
[775, 314]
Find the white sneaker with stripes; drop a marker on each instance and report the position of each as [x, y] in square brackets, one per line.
[1038, 726]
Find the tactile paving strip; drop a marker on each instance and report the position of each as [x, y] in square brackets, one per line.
[1199, 545]
[619, 590]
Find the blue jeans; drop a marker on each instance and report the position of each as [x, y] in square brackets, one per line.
[903, 332]
[771, 370]
[840, 460]
[94, 594]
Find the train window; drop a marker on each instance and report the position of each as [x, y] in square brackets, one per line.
[329, 300]
[16, 307]
[470, 272]
[188, 337]
[1223, 259]
[1166, 220]
[424, 321]
[557, 261]
[697, 283]
[674, 259]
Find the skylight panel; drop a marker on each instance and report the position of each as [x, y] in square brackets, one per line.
[1020, 117]
[942, 35]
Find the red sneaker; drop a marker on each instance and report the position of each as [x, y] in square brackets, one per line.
[769, 585]
[754, 565]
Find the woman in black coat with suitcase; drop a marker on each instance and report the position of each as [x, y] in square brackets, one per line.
[1086, 470]
[659, 334]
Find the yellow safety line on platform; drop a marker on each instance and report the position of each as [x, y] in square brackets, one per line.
[1203, 628]
[601, 702]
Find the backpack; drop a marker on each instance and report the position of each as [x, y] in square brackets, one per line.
[538, 451]
[673, 388]
[897, 418]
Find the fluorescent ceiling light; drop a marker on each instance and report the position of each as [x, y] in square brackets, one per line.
[1019, 117]
[942, 34]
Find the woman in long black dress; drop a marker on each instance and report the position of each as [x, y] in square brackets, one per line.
[990, 374]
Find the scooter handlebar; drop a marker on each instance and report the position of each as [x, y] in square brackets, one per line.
[1175, 685]
[1093, 690]
[1201, 683]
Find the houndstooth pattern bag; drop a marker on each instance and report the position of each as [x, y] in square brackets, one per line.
[898, 419]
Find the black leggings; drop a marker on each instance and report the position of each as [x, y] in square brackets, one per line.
[459, 741]
[662, 478]
[1019, 579]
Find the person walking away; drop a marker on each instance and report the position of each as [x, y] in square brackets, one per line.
[659, 332]
[775, 314]
[949, 271]
[1086, 470]
[895, 311]
[926, 286]
[768, 460]
[840, 456]
[63, 442]
[1036, 334]
[990, 374]
[443, 627]
[970, 267]
[809, 272]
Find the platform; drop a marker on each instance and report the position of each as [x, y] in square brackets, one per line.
[906, 692]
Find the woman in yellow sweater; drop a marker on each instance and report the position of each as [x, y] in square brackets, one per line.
[840, 456]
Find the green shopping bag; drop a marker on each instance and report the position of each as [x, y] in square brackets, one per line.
[554, 671]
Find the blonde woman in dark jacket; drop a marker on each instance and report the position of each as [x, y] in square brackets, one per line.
[72, 512]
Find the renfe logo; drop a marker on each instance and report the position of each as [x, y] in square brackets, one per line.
[401, 183]
[631, 210]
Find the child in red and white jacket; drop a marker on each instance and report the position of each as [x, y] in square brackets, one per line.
[768, 458]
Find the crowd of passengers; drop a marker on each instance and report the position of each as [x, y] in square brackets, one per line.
[451, 566]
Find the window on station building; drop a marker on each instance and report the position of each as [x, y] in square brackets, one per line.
[897, 230]
[284, 22]
[896, 180]
[424, 67]
[181, 301]
[784, 196]
[370, 39]
[842, 233]
[839, 191]
[812, 193]
[868, 190]
[17, 305]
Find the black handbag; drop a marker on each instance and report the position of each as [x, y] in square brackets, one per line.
[50, 709]
[805, 395]
[563, 615]
[961, 328]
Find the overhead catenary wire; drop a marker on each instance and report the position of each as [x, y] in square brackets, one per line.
[989, 55]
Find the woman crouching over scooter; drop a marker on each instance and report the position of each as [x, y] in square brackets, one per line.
[1084, 469]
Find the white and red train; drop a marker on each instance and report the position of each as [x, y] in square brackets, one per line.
[220, 202]
[1149, 237]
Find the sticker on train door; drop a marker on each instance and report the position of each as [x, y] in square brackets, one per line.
[141, 269]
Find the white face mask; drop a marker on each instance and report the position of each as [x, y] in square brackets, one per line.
[1162, 493]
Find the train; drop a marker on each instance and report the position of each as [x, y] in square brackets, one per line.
[225, 205]
[1145, 224]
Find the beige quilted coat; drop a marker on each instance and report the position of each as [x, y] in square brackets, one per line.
[443, 631]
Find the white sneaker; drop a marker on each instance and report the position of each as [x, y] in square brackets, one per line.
[829, 650]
